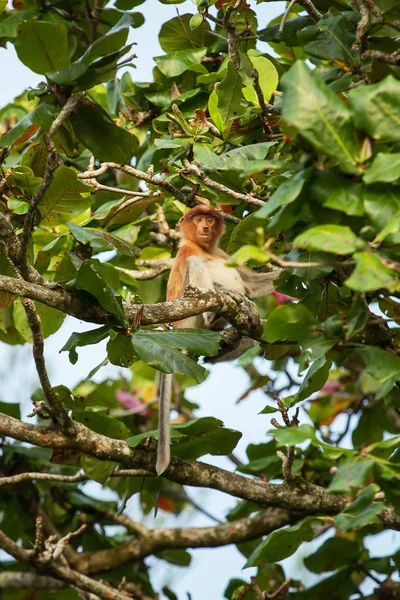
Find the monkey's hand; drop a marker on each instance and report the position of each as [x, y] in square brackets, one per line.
[247, 315]
[233, 346]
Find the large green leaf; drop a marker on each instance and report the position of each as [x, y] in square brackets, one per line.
[361, 512]
[284, 542]
[376, 109]
[294, 435]
[41, 115]
[337, 239]
[177, 35]
[318, 114]
[233, 160]
[42, 46]
[334, 190]
[100, 240]
[51, 318]
[229, 94]
[286, 193]
[331, 38]
[385, 167]
[267, 76]
[162, 350]
[63, 200]
[315, 379]
[220, 441]
[197, 341]
[176, 63]
[101, 281]
[336, 552]
[371, 274]
[106, 45]
[288, 322]
[98, 132]
[382, 366]
[85, 338]
[9, 27]
[101, 424]
[351, 475]
[96, 469]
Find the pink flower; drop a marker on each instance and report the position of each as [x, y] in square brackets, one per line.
[131, 402]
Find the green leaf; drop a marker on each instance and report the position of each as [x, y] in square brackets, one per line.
[319, 115]
[25, 180]
[315, 379]
[294, 435]
[106, 45]
[214, 112]
[234, 160]
[85, 338]
[42, 115]
[336, 552]
[196, 341]
[120, 351]
[101, 424]
[288, 322]
[361, 512]
[268, 78]
[286, 193]
[42, 46]
[382, 366]
[176, 63]
[51, 318]
[376, 109]
[161, 350]
[100, 240]
[99, 280]
[358, 316]
[96, 469]
[351, 475]
[284, 542]
[218, 442]
[177, 35]
[330, 38]
[370, 274]
[338, 239]
[385, 167]
[229, 93]
[63, 200]
[9, 27]
[181, 558]
[12, 410]
[98, 132]
[334, 190]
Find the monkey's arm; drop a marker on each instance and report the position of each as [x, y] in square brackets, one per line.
[258, 284]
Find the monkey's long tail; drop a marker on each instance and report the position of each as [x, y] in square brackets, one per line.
[163, 447]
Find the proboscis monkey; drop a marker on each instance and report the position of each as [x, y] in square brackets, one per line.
[202, 264]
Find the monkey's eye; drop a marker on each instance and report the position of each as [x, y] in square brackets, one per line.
[197, 219]
[210, 220]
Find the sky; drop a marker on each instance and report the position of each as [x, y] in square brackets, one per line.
[211, 569]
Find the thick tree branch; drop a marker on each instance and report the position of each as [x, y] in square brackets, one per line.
[156, 540]
[305, 498]
[192, 303]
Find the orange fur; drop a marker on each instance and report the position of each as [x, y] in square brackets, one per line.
[189, 247]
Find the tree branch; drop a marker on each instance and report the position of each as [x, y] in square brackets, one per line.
[305, 498]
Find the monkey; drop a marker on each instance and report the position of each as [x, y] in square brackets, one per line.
[202, 264]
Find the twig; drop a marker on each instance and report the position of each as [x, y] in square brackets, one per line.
[310, 8]
[78, 478]
[194, 170]
[287, 460]
[360, 43]
[52, 162]
[391, 59]
[280, 590]
[285, 16]
[295, 264]
[261, 101]
[95, 17]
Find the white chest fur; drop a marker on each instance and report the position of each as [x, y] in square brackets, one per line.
[223, 276]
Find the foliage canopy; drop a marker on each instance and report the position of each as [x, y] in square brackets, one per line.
[299, 150]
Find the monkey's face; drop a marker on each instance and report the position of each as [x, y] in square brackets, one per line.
[204, 229]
